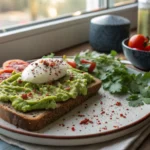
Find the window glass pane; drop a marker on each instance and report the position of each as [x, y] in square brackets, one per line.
[115, 3]
[22, 12]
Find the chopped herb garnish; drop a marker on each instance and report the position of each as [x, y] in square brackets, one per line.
[116, 78]
[49, 56]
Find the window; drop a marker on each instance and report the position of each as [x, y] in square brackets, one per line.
[115, 3]
[30, 29]
[23, 12]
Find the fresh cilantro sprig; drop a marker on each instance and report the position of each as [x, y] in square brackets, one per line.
[49, 56]
[110, 70]
[140, 90]
[116, 79]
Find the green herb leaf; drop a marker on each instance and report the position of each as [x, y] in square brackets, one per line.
[84, 67]
[146, 100]
[77, 59]
[116, 77]
[49, 56]
[134, 87]
[115, 87]
[106, 85]
[113, 53]
[136, 103]
[133, 97]
[145, 92]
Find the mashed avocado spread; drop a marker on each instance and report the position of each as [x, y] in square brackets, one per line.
[26, 96]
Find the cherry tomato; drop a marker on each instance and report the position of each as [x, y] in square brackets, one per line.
[72, 63]
[16, 64]
[147, 48]
[138, 41]
[5, 73]
[92, 64]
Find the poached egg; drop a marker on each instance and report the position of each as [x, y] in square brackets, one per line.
[45, 70]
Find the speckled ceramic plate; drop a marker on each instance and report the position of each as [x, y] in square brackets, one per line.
[101, 118]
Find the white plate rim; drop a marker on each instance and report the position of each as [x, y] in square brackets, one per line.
[33, 134]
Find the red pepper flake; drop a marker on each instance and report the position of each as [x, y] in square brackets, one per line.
[118, 104]
[73, 129]
[113, 111]
[30, 94]
[101, 102]
[71, 76]
[61, 125]
[46, 63]
[127, 109]
[86, 105]
[80, 115]
[56, 73]
[102, 112]
[121, 115]
[105, 128]
[98, 123]
[20, 81]
[86, 121]
[116, 127]
[67, 88]
[52, 64]
[24, 96]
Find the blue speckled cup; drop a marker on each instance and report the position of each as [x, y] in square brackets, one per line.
[139, 58]
[107, 32]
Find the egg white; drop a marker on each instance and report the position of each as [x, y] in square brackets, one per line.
[40, 71]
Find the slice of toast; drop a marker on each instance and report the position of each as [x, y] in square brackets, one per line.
[36, 120]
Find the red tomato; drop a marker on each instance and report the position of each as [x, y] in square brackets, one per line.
[147, 48]
[5, 73]
[16, 64]
[138, 41]
[92, 64]
[72, 63]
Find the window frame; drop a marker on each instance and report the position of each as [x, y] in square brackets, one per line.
[35, 41]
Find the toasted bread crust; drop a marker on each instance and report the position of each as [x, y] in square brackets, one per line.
[37, 120]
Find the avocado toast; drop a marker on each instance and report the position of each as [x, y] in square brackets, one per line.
[32, 106]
